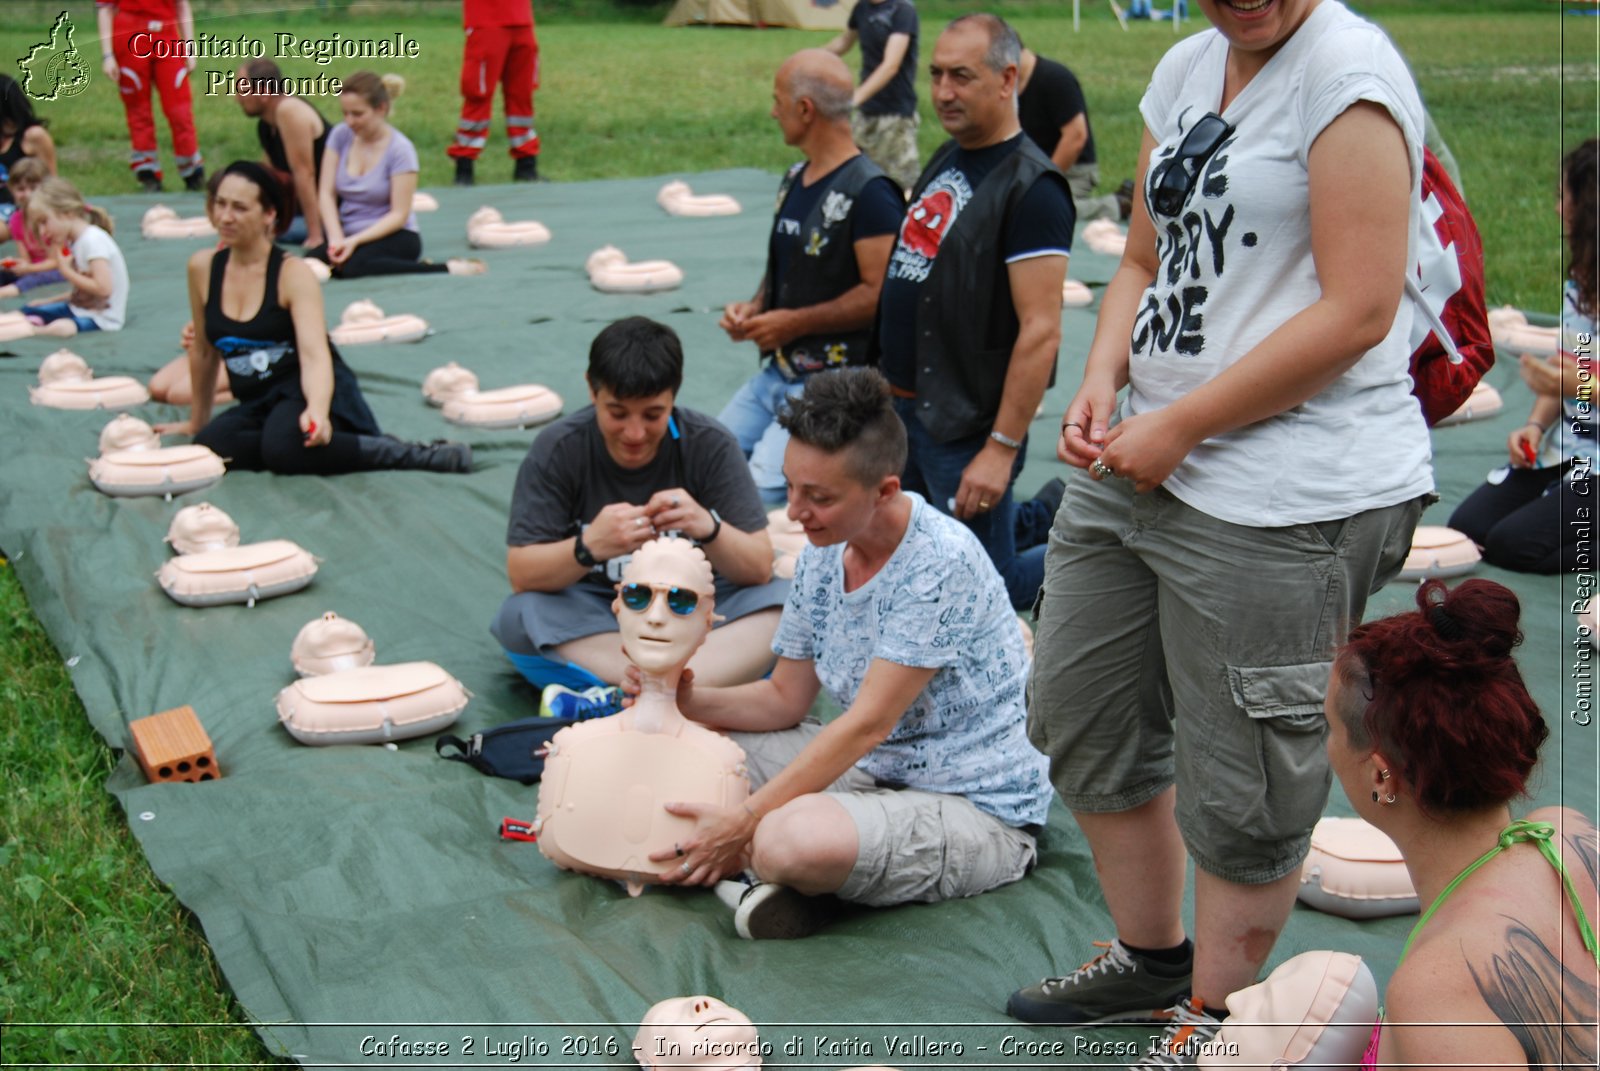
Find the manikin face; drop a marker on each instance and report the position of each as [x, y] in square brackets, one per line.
[658, 638]
[699, 1032]
[1266, 1021]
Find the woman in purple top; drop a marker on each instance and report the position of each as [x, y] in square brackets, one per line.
[369, 177]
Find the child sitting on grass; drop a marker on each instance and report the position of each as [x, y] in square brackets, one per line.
[89, 260]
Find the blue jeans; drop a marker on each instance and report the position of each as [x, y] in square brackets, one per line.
[933, 470]
[752, 415]
[58, 310]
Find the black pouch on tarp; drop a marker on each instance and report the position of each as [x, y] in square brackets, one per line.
[510, 750]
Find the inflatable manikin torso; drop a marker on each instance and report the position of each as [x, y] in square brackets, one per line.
[363, 323]
[1316, 1010]
[488, 229]
[606, 782]
[162, 222]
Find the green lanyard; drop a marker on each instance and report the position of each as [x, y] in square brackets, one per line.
[1539, 834]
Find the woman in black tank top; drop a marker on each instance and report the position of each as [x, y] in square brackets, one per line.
[300, 409]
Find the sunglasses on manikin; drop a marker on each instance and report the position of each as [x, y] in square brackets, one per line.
[637, 597]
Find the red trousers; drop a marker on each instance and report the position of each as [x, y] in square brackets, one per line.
[135, 42]
[507, 56]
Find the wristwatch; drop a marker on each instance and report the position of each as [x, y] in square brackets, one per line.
[716, 529]
[585, 557]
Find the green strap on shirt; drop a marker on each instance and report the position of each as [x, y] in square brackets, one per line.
[1539, 834]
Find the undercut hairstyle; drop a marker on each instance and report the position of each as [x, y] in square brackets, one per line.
[1578, 178]
[270, 193]
[831, 99]
[1437, 691]
[1005, 47]
[635, 358]
[264, 76]
[850, 411]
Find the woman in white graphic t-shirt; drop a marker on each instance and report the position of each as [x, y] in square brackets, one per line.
[1263, 472]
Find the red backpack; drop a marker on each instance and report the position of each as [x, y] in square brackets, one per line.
[1450, 344]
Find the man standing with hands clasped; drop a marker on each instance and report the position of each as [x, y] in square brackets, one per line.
[970, 318]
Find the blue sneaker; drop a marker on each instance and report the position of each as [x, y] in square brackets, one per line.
[558, 701]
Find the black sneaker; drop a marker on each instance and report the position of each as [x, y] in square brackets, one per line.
[195, 181]
[526, 169]
[763, 911]
[464, 175]
[1114, 987]
[149, 181]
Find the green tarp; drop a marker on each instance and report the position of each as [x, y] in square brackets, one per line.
[355, 895]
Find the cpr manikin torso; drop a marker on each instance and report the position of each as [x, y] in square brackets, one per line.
[606, 782]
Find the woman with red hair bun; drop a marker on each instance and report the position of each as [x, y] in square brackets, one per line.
[1432, 733]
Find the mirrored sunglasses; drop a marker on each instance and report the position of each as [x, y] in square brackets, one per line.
[681, 601]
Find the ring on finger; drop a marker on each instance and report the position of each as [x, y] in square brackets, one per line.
[1071, 424]
[1100, 470]
[677, 849]
[684, 869]
[982, 504]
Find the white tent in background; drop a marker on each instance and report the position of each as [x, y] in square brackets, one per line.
[800, 14]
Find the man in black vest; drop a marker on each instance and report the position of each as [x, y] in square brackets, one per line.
[970, 317]
[836, 219]
[292, 134]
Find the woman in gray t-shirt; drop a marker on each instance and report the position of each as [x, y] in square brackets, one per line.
[369, 177]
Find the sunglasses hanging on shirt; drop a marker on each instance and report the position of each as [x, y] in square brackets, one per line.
[1175, 176]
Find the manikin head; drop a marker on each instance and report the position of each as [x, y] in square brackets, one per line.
[1315, 1010]
[700, 1032]
[665, 604]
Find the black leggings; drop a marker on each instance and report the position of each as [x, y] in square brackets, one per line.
[266, 437]
[393, 254]
[1533, 521]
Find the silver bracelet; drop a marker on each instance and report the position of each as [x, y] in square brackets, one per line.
[1005, 440]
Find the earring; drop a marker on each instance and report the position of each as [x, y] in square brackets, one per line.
[1390, 798]
[1374, 797]
[1383, 775]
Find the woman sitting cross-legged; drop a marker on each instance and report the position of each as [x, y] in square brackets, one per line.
[1432, 733]
[300, 409]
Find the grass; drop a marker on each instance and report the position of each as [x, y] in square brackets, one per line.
[86, 934]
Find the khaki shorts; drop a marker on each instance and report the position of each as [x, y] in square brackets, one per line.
[1175, 648]
[911, 845]
[890, 141]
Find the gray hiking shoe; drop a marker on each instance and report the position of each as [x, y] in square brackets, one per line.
[1190, 1033]
[1114, 987]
